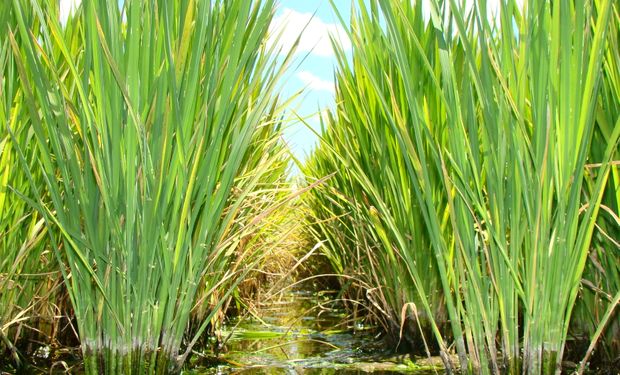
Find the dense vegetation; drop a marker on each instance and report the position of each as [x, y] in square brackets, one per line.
[466, 187]
[140, 147]
[476, 194]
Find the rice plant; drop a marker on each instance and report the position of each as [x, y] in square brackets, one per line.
[259, 188]
[461, 146]
[28, 270]
[601, 278]
[143, 116]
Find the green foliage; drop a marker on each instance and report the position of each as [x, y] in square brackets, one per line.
[461, 148]
[28, 270]
[602, 274]
[145, 118]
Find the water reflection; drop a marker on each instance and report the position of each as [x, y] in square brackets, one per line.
[303, 333]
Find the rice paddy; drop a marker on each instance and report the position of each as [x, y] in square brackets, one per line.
[463, 198]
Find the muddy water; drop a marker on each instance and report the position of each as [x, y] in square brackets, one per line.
[304, 333]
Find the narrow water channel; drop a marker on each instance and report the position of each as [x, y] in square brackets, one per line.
[304, 332]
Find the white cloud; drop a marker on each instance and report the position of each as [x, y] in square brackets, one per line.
[67, 7]
[314, 33]
[315, 83]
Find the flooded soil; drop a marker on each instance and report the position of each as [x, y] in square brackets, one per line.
[301, 332]
[304, 333]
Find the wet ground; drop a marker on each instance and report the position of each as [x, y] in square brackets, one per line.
[301, 332]
[304, 333]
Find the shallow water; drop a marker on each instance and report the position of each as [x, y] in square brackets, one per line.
[303, 333]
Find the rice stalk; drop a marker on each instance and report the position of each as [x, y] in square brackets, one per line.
[28, 270]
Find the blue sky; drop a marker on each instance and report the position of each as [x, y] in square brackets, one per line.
[313, 71]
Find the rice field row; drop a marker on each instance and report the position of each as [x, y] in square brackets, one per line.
[140, 149]
[476, 198]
